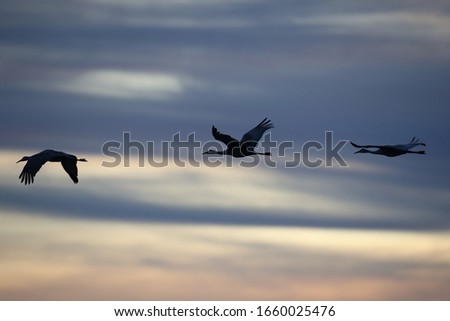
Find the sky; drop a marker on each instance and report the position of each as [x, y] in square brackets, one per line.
[75, 75]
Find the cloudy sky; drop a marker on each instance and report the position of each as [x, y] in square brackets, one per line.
[78, 74]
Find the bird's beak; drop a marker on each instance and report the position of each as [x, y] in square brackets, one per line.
[19, 161]
[205, 152]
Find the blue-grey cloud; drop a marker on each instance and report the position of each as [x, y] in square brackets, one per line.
[88, 207]
[78, 75]
[360, 196]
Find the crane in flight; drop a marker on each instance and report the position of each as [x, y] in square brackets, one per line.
[35, 162]
[391, 150]
[244, 147]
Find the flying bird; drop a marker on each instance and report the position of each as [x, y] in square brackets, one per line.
[391, 150]
[35, 162]
[244, 147]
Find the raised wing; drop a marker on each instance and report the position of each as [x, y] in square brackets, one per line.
[251, 138]
[70, 166]
[226, 139]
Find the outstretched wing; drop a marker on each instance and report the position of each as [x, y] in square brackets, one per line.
[413, 143]
[365, 146]
[32, 166]
[226, 139]
[70, 166]
[252, 137]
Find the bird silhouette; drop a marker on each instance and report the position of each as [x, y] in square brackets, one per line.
[391, 150]
[35, 162]
[244, 147]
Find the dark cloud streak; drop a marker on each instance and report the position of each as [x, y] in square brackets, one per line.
[252, 59]
[81, 205]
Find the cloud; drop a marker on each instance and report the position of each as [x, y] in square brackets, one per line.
[77, 74]
[422, 25]
[136, 13]
[59, 259]
[125, 84]
[229, 195]
[171, 4]
[183, 22]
